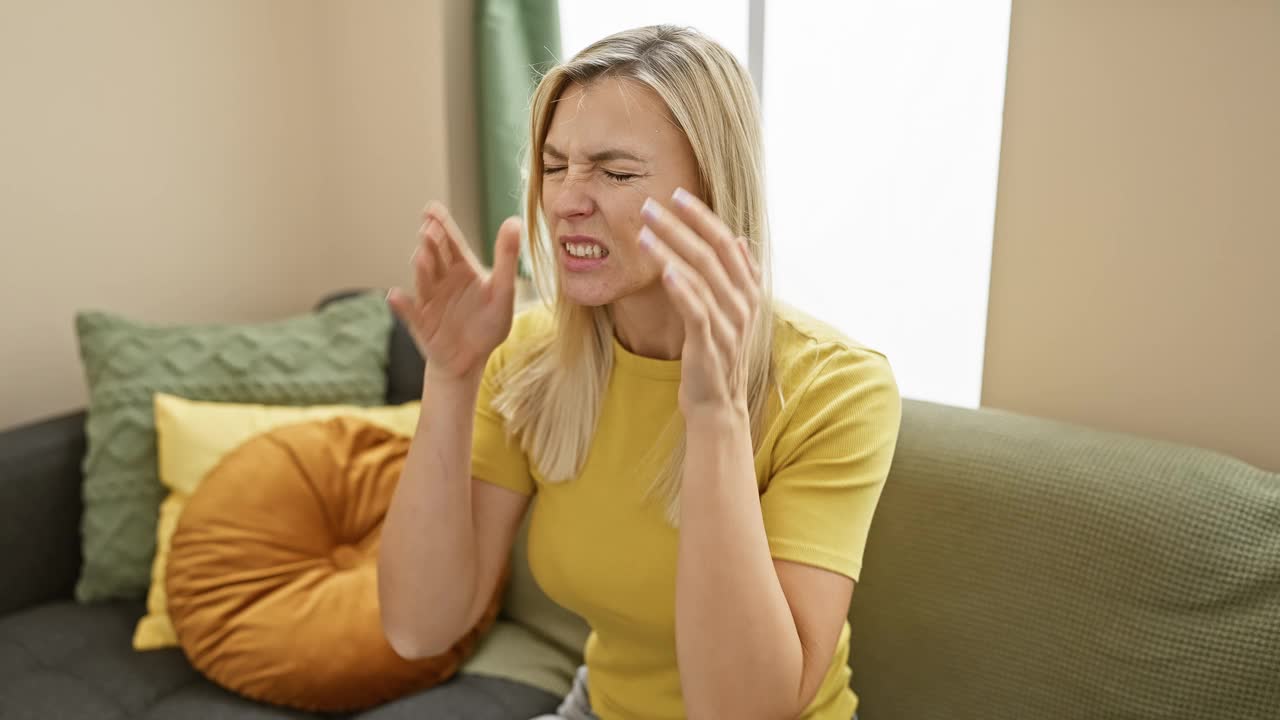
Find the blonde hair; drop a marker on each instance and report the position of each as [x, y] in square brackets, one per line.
[551, 398]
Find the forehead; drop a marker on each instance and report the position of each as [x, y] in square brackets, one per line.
[611, 111]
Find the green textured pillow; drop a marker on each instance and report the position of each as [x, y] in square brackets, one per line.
[335, 355]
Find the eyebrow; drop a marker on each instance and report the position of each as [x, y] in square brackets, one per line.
[596, 157]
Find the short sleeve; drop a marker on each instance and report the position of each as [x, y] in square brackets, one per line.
[831, 461]
[495, 458]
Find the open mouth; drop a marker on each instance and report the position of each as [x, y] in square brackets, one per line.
[586, 251]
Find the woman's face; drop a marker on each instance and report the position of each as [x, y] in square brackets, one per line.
[610, 145]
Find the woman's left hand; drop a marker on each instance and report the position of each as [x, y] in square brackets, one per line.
[715, 285]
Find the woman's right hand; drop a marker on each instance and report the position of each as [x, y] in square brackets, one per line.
[459, 313]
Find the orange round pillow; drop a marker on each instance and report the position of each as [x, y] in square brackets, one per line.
[272, 574]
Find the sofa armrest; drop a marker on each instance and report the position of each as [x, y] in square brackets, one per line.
[40, 507]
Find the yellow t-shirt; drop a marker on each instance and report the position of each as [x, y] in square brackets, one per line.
[600, 549]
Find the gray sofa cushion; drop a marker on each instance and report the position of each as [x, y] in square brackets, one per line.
[469, 697]
[70, 661]
[73, 662]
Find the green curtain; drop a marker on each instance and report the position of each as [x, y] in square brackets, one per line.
[516, 41]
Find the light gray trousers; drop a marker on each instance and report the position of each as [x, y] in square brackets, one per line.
[577, 704]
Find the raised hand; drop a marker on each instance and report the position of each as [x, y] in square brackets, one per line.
[459, 312]
[715, 286]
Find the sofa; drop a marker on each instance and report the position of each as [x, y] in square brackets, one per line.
[1017, 568]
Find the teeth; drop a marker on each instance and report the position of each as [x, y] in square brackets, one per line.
[584, 250]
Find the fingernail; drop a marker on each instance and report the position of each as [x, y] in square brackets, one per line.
[682, 197]
[670, 275]
[647, 238]
[650, 209]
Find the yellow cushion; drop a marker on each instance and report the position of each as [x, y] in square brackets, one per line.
[191, 438]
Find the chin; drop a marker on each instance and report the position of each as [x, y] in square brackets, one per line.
[585, 291]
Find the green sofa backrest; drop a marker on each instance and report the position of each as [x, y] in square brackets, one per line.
[1020, 569]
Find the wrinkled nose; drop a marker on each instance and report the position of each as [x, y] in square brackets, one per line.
[572, 201]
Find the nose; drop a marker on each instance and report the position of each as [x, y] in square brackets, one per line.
[572, 201]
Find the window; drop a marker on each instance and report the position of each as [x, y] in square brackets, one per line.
[882, 140]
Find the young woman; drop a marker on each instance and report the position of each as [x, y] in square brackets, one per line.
[702, 463]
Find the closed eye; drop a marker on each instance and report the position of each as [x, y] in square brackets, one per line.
[617, 177]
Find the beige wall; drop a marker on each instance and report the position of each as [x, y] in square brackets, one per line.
[403, 116]
[1136, 277]
[213, 161]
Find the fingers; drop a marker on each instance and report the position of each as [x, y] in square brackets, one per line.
[506, 251]
[712, 229]
[444, 264]
[454, 241]
[694, 249]
[430, 268]
[695, 302]
[402, 305]
[435, 246]
[427, 266]
[713, 252]
[409, 311]
[753, 265]
[703, 325]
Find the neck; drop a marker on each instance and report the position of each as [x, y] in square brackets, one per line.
[647, 324]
